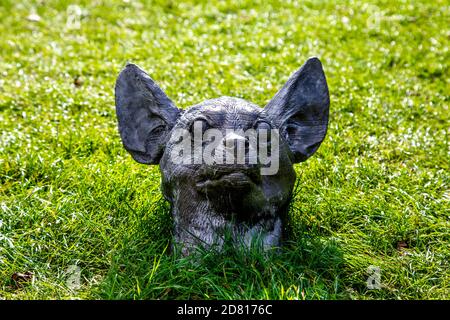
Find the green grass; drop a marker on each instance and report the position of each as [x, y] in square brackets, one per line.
[71, 195]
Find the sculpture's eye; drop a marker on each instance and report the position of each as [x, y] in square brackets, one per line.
[262, 125]
[263, 130]
[199, 126]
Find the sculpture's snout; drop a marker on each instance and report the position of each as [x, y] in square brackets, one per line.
[232, 139]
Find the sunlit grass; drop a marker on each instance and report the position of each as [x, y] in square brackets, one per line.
[376, 192]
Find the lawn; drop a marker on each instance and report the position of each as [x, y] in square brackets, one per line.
[375, 194]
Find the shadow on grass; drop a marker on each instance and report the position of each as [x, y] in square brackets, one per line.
[143, 268]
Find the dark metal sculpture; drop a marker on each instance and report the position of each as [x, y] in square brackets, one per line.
[210, 199]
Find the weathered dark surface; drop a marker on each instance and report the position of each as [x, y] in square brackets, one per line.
[210, 200]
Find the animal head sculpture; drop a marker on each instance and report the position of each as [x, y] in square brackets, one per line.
[226, 164]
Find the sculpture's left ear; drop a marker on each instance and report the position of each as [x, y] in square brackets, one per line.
[300, 110]
[146, 115]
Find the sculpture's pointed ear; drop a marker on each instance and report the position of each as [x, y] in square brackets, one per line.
[300, 110]
[146, 115]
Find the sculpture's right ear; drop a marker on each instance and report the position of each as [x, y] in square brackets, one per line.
[146, 115]
[300, 109]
